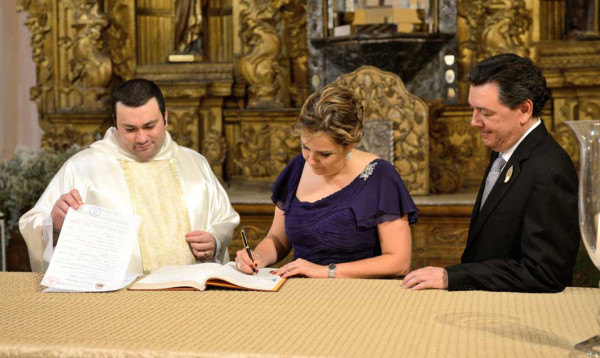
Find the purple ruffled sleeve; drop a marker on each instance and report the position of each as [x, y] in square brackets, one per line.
[284, 188]
[383, 198]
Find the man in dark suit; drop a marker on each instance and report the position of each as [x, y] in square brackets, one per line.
[524, 232]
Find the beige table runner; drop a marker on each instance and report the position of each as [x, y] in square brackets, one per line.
[308, 317]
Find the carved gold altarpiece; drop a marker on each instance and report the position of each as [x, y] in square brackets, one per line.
[396, 124]
[235, 105]
[84, 48]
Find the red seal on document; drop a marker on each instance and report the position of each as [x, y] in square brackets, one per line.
[50, 281]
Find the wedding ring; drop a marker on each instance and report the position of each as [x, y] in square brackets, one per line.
[205, 254]
[239, 267]
[292, 266]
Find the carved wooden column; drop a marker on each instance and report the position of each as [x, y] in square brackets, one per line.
[273, 52]
[213, 143]
[270, 52]
[73, 67]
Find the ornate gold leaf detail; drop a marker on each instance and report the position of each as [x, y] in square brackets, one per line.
[90, 66]
[120, 40]
[491, 28]
[180, 124]
[39, 22]
[61, 138]
[275, 59]
[384, 96]
[262, 150]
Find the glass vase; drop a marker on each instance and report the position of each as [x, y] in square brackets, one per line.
[588, 137]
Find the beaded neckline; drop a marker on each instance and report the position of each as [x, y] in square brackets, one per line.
[366, 173]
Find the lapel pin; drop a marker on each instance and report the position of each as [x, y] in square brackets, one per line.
[508, 174]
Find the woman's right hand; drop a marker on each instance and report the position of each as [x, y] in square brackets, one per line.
[243, 262]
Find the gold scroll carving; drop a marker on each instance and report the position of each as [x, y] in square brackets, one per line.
[73, 69]
[487, 28]
[384, 96]
[90, 66]
[64, 133]
[181, 125]
[263, 150]
[214, 146]
[457, 155]
[39, 22]
[295, 40]
[274, 63]
[121, 37]
[260, 66]
[260, 143]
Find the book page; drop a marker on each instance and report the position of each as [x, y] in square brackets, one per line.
[263, 280]
[197, 276]
[178, 276]
[93, 250]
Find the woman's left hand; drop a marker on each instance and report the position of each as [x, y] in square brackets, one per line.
[301, 267]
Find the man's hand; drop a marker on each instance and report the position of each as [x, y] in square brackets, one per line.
[202, 244]
[428, 277]
[62, 205]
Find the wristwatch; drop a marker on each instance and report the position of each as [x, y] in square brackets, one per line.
[331, 270]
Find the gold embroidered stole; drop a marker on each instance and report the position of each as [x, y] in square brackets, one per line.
[157, 196]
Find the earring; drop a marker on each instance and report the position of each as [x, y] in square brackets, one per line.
[349, 155]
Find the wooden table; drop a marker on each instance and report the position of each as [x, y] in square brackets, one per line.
[307, 317]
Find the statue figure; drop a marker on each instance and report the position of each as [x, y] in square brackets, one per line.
[188, 26]
[582, 19]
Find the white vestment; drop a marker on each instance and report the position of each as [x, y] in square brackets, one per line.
[104, 174]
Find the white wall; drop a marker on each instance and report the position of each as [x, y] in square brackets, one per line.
[18, 115]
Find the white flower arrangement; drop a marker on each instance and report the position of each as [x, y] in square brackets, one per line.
[23, 179]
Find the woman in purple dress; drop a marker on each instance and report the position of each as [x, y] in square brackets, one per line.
[345, 212]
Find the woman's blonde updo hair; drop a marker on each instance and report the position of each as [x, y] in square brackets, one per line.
[333, 110]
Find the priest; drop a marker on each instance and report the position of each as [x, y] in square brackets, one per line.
[138, 169]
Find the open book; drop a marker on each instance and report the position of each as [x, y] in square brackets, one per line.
[208, 274]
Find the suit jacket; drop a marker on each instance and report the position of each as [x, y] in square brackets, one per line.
[526, 236]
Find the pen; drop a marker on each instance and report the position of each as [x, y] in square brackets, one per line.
[247, 247]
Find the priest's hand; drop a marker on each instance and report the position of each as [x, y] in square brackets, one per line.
[202, 244]
[427, 277]
[62, 205]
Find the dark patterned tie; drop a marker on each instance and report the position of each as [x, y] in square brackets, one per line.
[492, 177]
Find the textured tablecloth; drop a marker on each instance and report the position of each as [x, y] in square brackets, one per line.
[307, 317]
